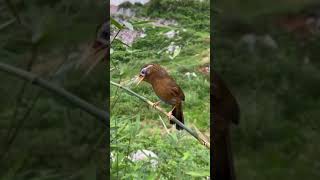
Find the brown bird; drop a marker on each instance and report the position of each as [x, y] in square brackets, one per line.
[165, 88]
[225, 111]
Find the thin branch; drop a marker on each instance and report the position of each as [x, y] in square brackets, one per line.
[6, 24]
[202, 135]
[164, 125]
[13, 131]
[195, 135]
[13, 10]
[115, 65]
[20, 124]
[34, 79]
[120, 79]
[115, 36]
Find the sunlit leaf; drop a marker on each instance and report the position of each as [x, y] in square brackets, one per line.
[128, 25]
[186, 155]
[140, 22]
[116, 23]
[200, 173]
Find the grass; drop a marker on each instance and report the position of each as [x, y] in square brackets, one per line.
[136, 126]
[196, 89]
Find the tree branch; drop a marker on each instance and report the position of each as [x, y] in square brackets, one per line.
[195, 135]
[13, 10]
[34, 79]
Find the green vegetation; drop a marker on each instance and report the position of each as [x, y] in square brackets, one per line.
[134, 125]
[53, 140]
[278, 91]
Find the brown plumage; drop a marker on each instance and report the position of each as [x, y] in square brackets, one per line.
[165, 88]
[225, 111]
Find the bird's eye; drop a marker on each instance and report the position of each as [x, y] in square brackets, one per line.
[143, 71]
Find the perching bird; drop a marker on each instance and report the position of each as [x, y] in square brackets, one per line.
[165, 88]
[225, 111]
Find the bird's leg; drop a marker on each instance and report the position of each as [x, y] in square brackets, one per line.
[154, 105]
[170, 114]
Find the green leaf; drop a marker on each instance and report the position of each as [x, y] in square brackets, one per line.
[121, 42]
[136, 126]
[176, 52]
[174, 137]
[200, 173]
[116, 23]
[186, 155]
[140, 22]
[128, 25]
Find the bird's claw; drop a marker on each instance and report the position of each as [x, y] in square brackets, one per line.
[170, 115]
[154, 105]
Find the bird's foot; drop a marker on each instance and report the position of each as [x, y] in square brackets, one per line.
[169, 115]
[154, 105]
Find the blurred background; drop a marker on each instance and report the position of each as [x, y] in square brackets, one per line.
[43, 136]
[268, 53]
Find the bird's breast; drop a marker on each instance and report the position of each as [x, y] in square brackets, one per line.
[162, 91]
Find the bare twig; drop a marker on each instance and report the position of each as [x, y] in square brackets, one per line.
[120, 79]
[6, 24]
[20, 124]
[13, 10]
[115, 36]
[195, 135]
[115, 66]
[13, 131]
[164, 125]
[89, 108]
[202, 135]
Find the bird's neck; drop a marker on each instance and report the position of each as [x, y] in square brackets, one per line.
[156, 78]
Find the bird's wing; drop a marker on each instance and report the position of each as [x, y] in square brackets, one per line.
[175, 91]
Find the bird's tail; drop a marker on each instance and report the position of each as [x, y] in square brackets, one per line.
[223, 166]
[177, 113]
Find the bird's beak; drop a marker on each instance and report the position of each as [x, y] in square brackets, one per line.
[140, 78]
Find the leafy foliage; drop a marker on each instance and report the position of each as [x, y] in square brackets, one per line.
[135, 127]
[192, 14]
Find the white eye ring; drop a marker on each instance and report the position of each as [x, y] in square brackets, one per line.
[145, 70]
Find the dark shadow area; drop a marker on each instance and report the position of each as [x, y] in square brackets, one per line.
[268, 54]
[42, 135]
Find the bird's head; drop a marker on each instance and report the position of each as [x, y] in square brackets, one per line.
[150, 71]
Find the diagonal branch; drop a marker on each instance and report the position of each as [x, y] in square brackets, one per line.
[195, 135]
[13, 10]
[80, 103]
